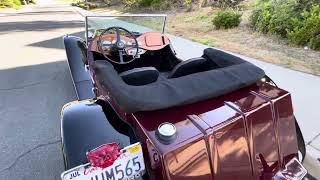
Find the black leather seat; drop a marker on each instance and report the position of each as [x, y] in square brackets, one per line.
[190, 66]
[140, 76]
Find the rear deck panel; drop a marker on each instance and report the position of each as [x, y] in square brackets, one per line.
[247, 134]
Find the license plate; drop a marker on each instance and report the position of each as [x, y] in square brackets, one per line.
[294, 170]
[129, 165]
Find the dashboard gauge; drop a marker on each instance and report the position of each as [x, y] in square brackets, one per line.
[133, 51]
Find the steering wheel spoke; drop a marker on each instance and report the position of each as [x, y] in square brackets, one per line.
[121, 56]
[118, 35]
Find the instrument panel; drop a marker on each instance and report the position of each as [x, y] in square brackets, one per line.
[150, 41]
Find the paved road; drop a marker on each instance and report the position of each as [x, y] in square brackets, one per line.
[35, 83]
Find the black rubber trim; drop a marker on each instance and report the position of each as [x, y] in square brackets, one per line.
[301, 143]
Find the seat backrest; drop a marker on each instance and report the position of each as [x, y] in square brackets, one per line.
[140, 76]
[187, 67]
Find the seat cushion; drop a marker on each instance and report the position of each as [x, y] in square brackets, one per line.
[187, 67]
[140, 76]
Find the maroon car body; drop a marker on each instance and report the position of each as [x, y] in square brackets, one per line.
[221, 138]
[250, 133]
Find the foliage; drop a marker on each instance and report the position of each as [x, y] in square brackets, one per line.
[297, 20]
[91, 4]
[280, 20]
[261, 16]
[187, 3]
[274, 16]
[315, 43]
[131, 4]
[135, 4]
[155, 4]
[85, 5]
[10, 3]
[158, 4]
[227, 3]
[307, 29]
[107, 2]
[227, 19]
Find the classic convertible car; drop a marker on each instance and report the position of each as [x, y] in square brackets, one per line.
[144, 113]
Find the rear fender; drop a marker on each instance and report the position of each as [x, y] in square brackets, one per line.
[85, 126]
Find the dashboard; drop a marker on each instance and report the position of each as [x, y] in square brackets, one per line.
[150, 41]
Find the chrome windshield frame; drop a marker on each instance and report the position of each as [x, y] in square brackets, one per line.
[125, 15]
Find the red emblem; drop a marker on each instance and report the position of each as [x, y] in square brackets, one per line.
[104, 156]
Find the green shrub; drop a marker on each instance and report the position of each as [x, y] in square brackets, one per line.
[307, 28]
[10, 3]
[281, 17]
[306, 4]
[315, 43]
[187, 2]
[84, 5]
[226, 3]
[156, 4]
[160, 4]
[297, 20]
[107, 3]
[131, 4]
[274, 16]
[152, 4]
[17, 2]
[226, 19]
[261, 15]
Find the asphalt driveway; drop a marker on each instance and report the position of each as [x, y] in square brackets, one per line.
[34, 84]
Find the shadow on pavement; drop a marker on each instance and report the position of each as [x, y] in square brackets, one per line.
[35, 13]
[31, 100]
[56, 43]
[25, 76]
[9, 27]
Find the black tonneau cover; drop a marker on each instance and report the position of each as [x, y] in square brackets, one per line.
[234, 73]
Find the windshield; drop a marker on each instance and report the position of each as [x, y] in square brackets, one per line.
[136, 24]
